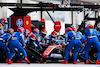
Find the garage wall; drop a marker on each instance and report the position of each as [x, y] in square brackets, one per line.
[36, 16]
[68, 17]
[77, 18]
[50, 27]
[49, 24]
[0, 11]
[91, 16]
[57, 16]
[5, 11]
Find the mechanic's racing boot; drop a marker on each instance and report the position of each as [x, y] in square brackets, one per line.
[75, 62]
[87, 62]
[37, 60]
[97, 62]
[65, 62]
[80, 61]
[19, 61]
[7, 60]
[27, 61]
[41, 60]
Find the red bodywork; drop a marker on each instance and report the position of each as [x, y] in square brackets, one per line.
[49, 50]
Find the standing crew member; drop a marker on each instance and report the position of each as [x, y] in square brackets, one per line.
[74, 42]
[91, 36]
[14, 43]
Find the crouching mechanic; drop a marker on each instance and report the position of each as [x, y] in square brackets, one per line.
[32, 42]
[20, 37]
[36, 32]
[43, 37]
[91, 36]
[31, 39]
[52, 37]
[14, 43]
[74, 42]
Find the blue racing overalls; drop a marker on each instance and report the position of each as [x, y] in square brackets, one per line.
[92, 39]
[20, 38]
[82, 39]
[3, 39]
[74, 42]
[14, 43]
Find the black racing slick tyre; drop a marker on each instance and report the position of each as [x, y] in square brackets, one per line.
[92, 55]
